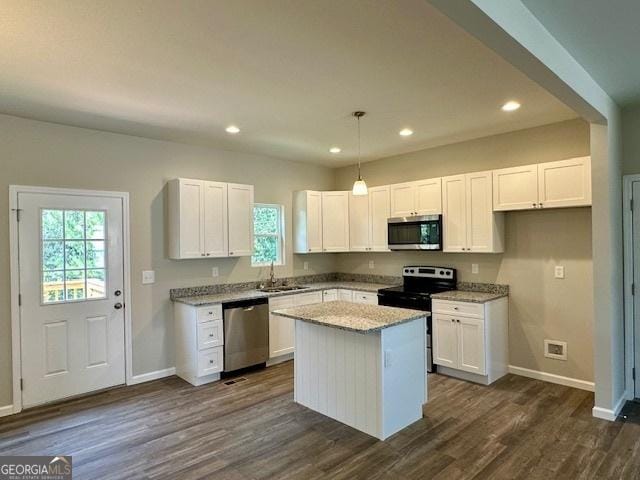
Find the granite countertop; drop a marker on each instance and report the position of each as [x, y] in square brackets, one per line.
[467, 296]
[355, 317]
[202, 300]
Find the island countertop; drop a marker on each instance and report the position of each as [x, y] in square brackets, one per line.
[355, 317]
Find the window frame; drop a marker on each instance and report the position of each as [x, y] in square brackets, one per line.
[280, 236]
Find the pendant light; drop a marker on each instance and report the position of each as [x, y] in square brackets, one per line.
[359, 186]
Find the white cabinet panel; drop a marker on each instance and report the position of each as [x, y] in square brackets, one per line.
[515, 188]
[566, 183]
[428, 196]
[365, 297]
[330, 295]
[186, 217]
[335, 221]
[359, 222]
[215, 219]
[281, 329]
[307, 221]
[210, 361]
[484, 227]
[240, 219]
[210, 334]
[379, 213]
[471, 345]
[454, 213]
[403, 198]
[445, 341]
[345, 295]
[308, 298]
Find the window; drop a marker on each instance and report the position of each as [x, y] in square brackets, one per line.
[268, 231]
[73, 255]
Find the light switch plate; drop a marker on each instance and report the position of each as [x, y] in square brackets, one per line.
[474, 268]
[214, 272]
[305, 265]
[371, 264]
[148, 277]
[559, 271]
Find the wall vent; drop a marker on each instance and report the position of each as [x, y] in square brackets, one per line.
[555, 349]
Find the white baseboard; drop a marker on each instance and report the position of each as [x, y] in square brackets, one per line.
[553, 378]
[6, 410]
[610, 414]
[147, 377]
[282, 358]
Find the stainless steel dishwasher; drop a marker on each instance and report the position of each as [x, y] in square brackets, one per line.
[246, 333]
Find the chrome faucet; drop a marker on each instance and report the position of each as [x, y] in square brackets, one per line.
[272, 276]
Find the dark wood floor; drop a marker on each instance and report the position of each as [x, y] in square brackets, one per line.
[517, 428]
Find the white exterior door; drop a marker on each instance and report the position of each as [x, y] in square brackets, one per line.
[379, 213]
[515, 188]
[240, 219]
[566, 183]
[72, 300]
[445, 341]
[215, 219]
[454, 213]
[636, 278]
[471, 354]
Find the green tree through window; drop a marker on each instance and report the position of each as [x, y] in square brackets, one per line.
[268, 235]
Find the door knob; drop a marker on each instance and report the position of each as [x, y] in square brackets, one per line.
[117, 293]
[118, 306]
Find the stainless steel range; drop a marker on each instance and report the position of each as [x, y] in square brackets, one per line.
[419, 282]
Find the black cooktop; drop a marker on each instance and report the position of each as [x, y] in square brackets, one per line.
[400, 289]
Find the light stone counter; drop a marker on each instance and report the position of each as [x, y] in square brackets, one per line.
[355, 317]
[466, 296]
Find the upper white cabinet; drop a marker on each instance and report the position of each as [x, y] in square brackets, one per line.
[469, 223]
[307, 221]
[335, 221]
[368, 216]
[240, 219]
[423, 197]
[566, 183]
[205, 217]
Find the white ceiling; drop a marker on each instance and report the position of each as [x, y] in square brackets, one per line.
[602, 35]
[287, 72]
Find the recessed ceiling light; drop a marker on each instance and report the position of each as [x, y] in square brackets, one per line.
[405, 132]
[510, 106]
[232, 129]
[335, 149]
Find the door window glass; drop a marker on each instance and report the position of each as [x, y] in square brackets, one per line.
[73, 255]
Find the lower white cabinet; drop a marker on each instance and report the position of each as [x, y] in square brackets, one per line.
[199, 335]
[330, 295]
[365, 297]
[345, 295]
[470, 340]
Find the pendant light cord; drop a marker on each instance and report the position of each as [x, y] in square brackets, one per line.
[359, 153]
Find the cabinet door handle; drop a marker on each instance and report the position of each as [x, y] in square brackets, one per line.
[455, 308]
[211, 335]
[230, 253]
[458, 321]
[211, 362]
[453, 320]
[540, 205]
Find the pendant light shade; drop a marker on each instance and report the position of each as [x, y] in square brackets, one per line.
[359, 186]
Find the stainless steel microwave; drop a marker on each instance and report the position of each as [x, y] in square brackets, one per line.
[415, 233]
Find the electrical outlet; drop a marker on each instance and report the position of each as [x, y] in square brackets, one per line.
[371, 264]
[148, 277]
[559, 271]
[475, 268]
[305, 265]
[214, 272]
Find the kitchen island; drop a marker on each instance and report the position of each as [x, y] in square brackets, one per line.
[363, 365]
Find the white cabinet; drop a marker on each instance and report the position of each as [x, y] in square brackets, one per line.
[335, 221]
[565, 183]
[469, 223]
[422, 197]
[307, 221]
[365, 297]
[281, 329]
[330, 295]
[240, 219]
[470, 341]
[368, 216]
[199, 337]
[345, 295]
[209, 219]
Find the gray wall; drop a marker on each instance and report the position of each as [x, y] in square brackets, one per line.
[631, 140]
[45, 154]
[540, 306]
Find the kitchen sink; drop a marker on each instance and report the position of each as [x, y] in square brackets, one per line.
[282, 288]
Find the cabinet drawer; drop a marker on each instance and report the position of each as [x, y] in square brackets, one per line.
[345, 295]
[210, 313]
[210, 334]
[284, 301]
[330, 295]
[459, 308]
[210, 361]
[365, 297]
